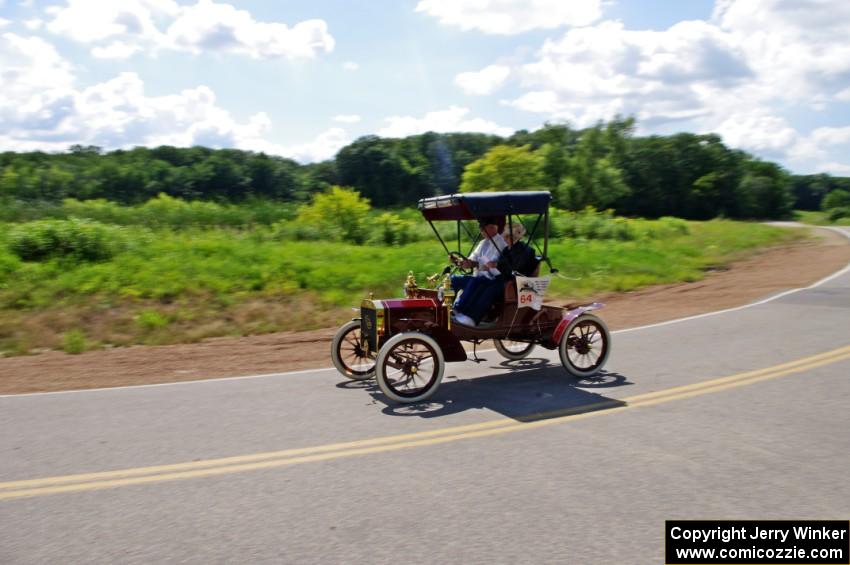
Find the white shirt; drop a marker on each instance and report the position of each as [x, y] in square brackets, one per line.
[485, 252]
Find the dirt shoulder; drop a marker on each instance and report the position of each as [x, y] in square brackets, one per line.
[766, 273]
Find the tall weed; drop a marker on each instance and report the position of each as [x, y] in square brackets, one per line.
[81, 240]
[162, 211]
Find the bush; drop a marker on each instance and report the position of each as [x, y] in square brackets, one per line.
[8, 265]
[167, 211]
[295, 231]
[836, 199]
[838, 213]
[74, 342]
[13, 210]
[339, 215]
[82, 240]
[99, 210]
[390, 229]
[591, 224]
[668, 226]
[151, 320]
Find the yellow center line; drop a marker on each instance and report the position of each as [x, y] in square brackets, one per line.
[802, 362]
[249, 458]
[273, 459]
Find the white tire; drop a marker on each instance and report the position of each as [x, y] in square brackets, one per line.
[348, 356]
[513, 350]
[410, 367]
[585, 346]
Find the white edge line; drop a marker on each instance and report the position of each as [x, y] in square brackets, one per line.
[323, 369]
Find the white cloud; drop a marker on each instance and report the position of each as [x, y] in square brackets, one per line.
[117, 113]
[41, 107]
[762, 133]
[821, 145]
[798, 50]
[454, 119]
[591, 72]
[30, 70]
[347, 118]
[208, 26]
[89, 21]
[121, 29]
[350, 66]
[834, 168]
[831, 136]
[323, 147]
[4, 23]
[539, 101]
[742, 73]
[115, 50]
[507, 17]
[823, 150]
[34, 24]
[483, 82]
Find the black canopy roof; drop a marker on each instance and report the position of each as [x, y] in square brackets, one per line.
[477, 205]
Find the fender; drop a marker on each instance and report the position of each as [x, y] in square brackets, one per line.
[570, 315]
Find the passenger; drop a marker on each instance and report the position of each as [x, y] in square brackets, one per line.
[517, 258]
[483, 286]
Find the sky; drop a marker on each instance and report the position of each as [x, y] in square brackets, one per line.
[303, 79]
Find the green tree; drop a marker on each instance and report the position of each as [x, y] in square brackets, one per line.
[339, 215]
[765, 191]
[591, 182]
[809, 190]
[315, 177]
[504, 168]
[591, 178]
[387, 171]
[556, 162]
[685, 175]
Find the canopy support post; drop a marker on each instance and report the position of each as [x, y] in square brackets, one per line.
[546, 243]
[443, 243]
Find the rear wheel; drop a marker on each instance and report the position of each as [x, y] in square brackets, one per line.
[348, 354]
[585, 346]
[513, 350]
[410, 367]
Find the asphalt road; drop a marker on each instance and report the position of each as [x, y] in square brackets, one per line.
[742, 414]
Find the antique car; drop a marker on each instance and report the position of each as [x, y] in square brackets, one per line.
[405, 342]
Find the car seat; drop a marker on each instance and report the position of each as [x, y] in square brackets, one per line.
[510, 286]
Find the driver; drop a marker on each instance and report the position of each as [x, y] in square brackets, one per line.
[480, 288]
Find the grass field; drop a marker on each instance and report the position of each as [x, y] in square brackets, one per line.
[819, 219]
[166, 285]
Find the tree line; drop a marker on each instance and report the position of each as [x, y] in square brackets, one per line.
[606, 166]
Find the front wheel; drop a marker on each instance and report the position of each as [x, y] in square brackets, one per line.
[513, 350]
[348, 354]
[410, 367]
[585, 346]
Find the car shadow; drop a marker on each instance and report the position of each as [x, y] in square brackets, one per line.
[525, 390]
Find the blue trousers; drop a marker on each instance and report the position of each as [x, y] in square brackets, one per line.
[479, 293]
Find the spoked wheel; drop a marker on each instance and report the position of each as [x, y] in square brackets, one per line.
[513, 350]
[410, 367]
[348, 354]
[585, 346]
